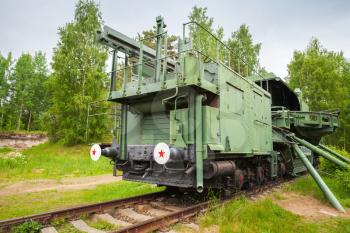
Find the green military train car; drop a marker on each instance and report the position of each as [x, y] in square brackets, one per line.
[188, 120]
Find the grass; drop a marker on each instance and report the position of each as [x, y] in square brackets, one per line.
[32, 203]
[51, 161]
[63, 226]
[5, 149]
[30, 226]
[307, 186]
[66, 227]
[265, 216]
[55, 161]
[101, 225]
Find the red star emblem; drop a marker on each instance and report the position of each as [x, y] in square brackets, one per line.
[161, 153]
[94, 152]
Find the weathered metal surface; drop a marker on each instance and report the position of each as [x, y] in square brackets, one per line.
[206, 112]
[76, 211]
[321, 153]
[199, 143]
[327, 192]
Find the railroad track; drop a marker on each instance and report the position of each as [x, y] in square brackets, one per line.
[143, 213]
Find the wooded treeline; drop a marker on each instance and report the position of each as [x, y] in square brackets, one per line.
[34, 97]
[324, 78]
[24, 95]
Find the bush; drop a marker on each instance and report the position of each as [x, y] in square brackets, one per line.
[329, 167]
[335, 172]
[28, 227]
[15, 161]
[343, 177]
[5, 149]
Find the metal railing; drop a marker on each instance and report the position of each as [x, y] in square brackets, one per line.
[227, 54]
[113, 112]
[222, 54]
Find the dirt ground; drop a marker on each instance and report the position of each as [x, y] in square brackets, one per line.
[307, 206]
[21, 143]
[62, 185]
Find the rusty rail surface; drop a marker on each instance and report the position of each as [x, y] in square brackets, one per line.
[165, 220]
[152, 224]
[177, 216]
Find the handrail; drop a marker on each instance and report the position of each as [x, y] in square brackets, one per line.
[227, 52]
[114, 112]
[222, 43]
[153, 60]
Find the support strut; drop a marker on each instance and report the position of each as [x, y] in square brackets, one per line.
[323, 147]
[321, 152]
[123, 132]
[199, 143]
[327, 192]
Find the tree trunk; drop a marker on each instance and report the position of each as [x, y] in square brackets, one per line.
[29, 120]
[19, 118]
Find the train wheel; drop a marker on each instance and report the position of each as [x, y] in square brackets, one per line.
[260, 175]
[173, 190]
[239, 179]
[282, 169]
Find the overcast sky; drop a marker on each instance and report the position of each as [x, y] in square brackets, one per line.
[281, 26]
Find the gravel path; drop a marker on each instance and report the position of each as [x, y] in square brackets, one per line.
[59, 185]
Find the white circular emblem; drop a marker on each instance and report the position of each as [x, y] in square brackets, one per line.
[161, 153]
[95, 152]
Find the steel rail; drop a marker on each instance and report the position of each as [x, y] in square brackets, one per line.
[165, 220]
[145, 226]
[77, 211]
[177, 216]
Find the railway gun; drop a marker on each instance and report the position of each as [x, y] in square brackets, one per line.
[189, 121]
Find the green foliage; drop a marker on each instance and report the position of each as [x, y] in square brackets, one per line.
[23, 74]
[101, 225]
[202, 40]
[66, 227]
[5, 64]
[245, 53]
[241, 53]
[5, 71]
[51, 161]
[148, 38]
[338, 175]
[324, 78]
[265, 216]
[329, 167]
[38, 94]
[5, 149]
[13, 162]
[31, 203]
[24, 96]
[343, 177]
[307, 186]
[28, 227]
[78, 77]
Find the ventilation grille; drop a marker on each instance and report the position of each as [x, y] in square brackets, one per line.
[155, 128]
